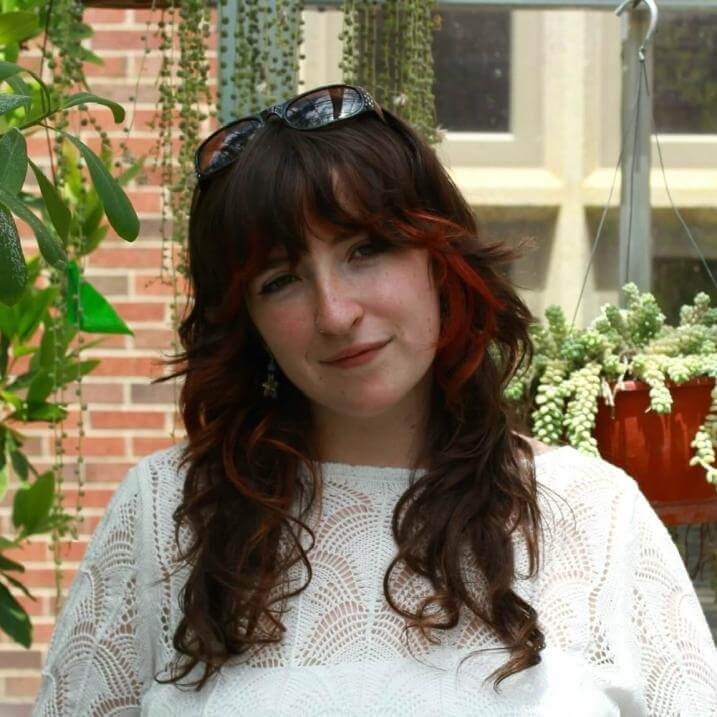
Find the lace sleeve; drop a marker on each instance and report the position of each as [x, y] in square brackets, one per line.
[93, 661]
[677, 655]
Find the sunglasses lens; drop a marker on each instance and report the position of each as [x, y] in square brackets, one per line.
[319, 108]
[223, 148]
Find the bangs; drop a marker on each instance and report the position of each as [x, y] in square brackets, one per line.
[288, 181]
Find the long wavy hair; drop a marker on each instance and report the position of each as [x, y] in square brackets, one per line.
[244, 451]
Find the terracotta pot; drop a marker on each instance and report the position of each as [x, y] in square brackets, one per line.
[655, 448]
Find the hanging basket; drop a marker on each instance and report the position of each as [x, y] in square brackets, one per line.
[655, 448]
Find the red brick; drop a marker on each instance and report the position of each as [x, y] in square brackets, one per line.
[73, 550]
[95, 446]
[153, 393]
[30, 550]
[144, 446]
[16, 686]
[106, 472]
[20, 659]
[160, 286]
[16, 709]
[141, 311]
[128, 419]
[153, 338]
[97, 15]
[138, 145]
[124, 40]
[145, 202]
[111, 67]
[29, 63]
[34, 608]
[128, 366]
[121, 92]
[102, 393]
[92, 498]
[126, 257]
[45, 578]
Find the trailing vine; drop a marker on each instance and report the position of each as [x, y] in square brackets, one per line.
[185, 102]
[267, 39]
[387, 48]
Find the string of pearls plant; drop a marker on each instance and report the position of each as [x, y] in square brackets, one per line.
[387, 48]
[573, 367]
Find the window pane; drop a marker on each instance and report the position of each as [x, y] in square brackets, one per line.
[685, 82]
[677, 271]
[471, 50]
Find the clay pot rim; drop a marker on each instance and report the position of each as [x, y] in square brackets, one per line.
[638, 385]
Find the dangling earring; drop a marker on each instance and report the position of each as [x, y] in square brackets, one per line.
[271, 384]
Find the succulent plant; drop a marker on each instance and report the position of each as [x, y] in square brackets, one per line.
[572, 367]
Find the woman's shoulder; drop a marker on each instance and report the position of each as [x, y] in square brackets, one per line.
[568, 466]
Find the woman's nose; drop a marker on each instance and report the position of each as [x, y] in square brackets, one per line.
[337, 308]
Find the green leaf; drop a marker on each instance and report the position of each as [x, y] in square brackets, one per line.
[119, 210]
[41, 412]
[89, 56]
[97, 314]
[5, 543]
[14, 400]
[8, 69]
[12, 102]
[17, 26]
[13, 161]
[4, 354]
[14, 621]
[83, 98]
[32, 503]
[20, 464]
[73, 371]
[13, 269]
[32, 309]
[56, 207]
[7, 564]
[132, 171]
[50, 247]
[4, 480]
[55, 340]
[41, 387]
[19, 586]
[24, 351]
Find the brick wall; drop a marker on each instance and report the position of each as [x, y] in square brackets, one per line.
[127, 418]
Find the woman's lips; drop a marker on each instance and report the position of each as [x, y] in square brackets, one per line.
[358, 359]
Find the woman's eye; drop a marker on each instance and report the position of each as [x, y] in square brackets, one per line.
[278, 283]
[275, 285]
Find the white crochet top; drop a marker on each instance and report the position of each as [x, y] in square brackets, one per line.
[625, 633]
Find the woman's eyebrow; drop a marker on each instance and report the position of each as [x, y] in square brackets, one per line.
[278, 259]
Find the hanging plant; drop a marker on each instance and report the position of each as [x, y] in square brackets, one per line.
[72, 209]
[572, 368]
[267, 38]
[387, 49]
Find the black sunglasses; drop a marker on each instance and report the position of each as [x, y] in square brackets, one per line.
[310, 110]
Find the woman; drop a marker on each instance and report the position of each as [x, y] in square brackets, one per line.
[365, 535]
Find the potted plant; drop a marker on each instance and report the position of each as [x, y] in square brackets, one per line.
[635, 391]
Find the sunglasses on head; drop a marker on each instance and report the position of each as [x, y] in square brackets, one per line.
[310, 110]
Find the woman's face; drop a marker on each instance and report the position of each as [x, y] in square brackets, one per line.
[342, 293]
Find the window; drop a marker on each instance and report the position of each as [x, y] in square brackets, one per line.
[471, 50]
[685, 81]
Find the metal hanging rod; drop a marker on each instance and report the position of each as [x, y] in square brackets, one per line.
[653, 21]
[704, 5]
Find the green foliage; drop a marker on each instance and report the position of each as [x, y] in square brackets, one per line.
[573, 367]
[51, 236]
[70, 216]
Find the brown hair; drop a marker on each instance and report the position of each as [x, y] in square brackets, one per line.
[244, 451]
